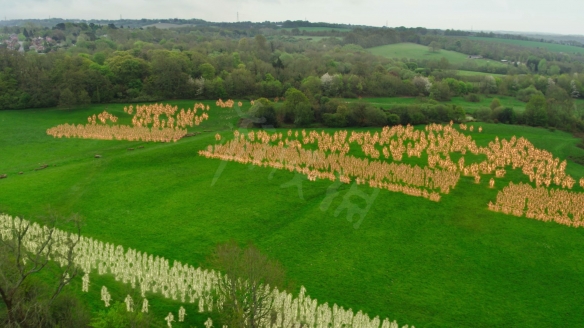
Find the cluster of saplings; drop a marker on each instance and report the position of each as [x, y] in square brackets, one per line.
[40, 285]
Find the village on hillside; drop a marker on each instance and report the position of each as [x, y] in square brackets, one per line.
[38, 44]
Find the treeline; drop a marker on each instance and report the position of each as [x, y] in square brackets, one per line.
[300, 111]
[546, 39]
[153, 64]
[97, 64]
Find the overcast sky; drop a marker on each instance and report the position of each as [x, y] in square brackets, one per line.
[559, 16]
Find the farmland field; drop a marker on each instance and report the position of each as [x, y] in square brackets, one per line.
[471, 73]
[469, 107]
[420, 52]
[533, 44]
[452, 263]
[319, 29]
[314, 38]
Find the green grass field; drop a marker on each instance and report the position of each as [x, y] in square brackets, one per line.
[420, 52]
[533, 44]
[319, 29]
[469, 107]
[314, 38]
[471, 73]
[446, 264]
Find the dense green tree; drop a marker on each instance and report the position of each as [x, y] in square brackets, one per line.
[483, 114]
[560, 108]
[507, 115]
[126, 68]
[526, 94]
[263, 113]
[536, 111]
[542, 66]
[99, 58]
[375, 117]
[67, 99]
[357, 113]
[297, 107]
[207, 71]
[440, 91]
[171, 75]
[271, 87]
[240, 83]
[9, 92]
[311, 86]
[496, 103]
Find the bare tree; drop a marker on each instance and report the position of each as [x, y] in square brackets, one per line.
[246, 287]
[25, 250]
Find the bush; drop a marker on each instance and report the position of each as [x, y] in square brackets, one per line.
[483, 114]
[495, 103]
[303, 114]
[393, 119]
[507, 116]
[117, 316]
[473, 97]
[375, 117]
[334, 120]
[263, 113]
[440, 91]
[525, 94]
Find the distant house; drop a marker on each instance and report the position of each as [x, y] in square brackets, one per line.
[12, 44]
[504, 60]
[475, 57]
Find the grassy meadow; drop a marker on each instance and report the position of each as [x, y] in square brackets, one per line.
[469, 107]
[314, 38]
[319, 29]
[420, 52]
[447, 264]
[471, 73]
[533, 44]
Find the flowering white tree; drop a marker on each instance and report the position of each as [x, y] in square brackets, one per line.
[422, 83]
[199, 86]
[575, 93]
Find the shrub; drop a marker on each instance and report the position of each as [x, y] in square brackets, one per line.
[375, 117]
[483, 114]
[525, 94]
[473, 97]
[507, 116]
[334, 120]
[393, 119]
[263, 110]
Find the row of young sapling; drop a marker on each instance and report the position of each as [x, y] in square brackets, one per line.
[193, 287]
